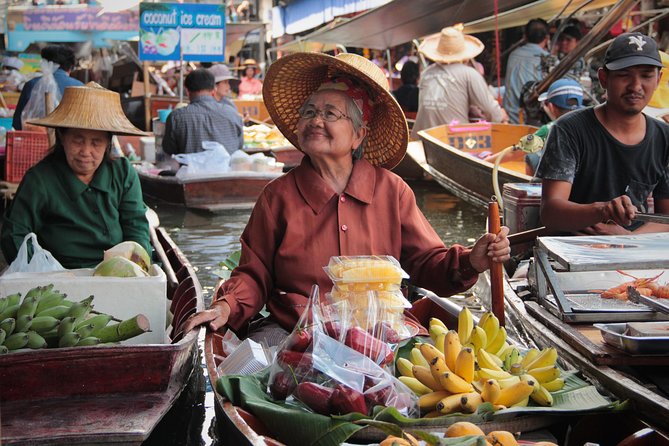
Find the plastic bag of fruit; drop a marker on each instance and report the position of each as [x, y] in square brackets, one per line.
[315, 369]
[371, 287]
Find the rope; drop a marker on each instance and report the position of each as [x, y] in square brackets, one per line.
[498, 58]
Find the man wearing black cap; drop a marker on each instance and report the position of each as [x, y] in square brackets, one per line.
[602, 163]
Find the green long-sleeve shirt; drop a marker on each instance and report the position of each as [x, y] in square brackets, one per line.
[74, 221]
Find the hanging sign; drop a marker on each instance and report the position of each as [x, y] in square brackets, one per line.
[170, 31]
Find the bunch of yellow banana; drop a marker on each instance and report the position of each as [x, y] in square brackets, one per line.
[487, 334]
[540, 370]
[441, 387]
[455, 376]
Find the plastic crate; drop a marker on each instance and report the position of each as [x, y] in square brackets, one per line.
[24, 150]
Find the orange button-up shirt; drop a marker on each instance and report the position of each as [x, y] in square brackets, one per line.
[299, 222]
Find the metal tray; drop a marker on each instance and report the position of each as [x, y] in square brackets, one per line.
[613, 334]
[611, 252]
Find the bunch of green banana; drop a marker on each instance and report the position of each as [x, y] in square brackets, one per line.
[45, 318]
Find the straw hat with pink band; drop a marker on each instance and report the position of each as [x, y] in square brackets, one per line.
[451, 45]
[291, 80]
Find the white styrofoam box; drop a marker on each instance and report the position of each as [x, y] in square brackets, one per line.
[249, 357]
[121, 297]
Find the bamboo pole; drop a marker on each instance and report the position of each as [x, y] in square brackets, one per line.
[48, 107]
[2, 101]
[496, 271]
[147, 96]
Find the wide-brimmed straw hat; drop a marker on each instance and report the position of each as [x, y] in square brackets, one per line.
[451, 45]
[293, 78]
[90, 107]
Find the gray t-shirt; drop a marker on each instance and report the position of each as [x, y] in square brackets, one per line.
[581, 151]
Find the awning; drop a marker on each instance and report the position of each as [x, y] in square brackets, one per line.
[302, 15]
[401, 21]
[311, 42]
[238, 31]
[545, 9]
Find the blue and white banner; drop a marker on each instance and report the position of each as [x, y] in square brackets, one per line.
[169, 31]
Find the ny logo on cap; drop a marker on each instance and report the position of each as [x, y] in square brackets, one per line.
[638, 41]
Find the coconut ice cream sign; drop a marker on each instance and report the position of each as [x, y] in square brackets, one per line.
[192, 31]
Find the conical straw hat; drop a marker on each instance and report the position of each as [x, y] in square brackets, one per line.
[293, 78]
[90, 107]
[451, 45]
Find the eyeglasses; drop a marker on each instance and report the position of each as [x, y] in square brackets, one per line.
[328, 115]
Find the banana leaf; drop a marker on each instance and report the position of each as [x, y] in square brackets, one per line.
[228, 264]
[295, 424]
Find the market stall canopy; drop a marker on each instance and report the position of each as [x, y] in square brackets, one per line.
[239, 34]
[311, 42]
[402, 21]
[545, 9]
[239, 31]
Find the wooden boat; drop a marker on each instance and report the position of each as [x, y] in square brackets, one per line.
[461, 170]
[244, 428]
[559, 309]
[582, 345]
[230, 190]
[113, 394]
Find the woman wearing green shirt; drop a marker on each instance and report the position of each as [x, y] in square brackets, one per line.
[78, 200]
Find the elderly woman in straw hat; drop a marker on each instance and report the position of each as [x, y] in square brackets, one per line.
[341, 200]
[78, 200]
[450, 87]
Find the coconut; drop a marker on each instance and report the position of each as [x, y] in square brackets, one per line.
[132, 251]
[119, 267]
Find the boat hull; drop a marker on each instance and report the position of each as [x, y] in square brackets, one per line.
[210, 194]
[647, 402]
[465, 175]
[113, 394]
[649, 407]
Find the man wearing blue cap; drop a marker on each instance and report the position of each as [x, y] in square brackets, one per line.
[563, 96]
[601, 164]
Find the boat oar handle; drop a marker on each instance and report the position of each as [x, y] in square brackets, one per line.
[496, 268]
